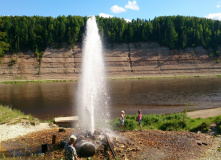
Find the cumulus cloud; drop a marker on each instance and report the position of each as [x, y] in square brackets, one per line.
[105, 15]
[132, 5]
[218, 6]
[215, 16]
[117, 9]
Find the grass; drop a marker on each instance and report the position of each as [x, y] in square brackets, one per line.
[21, 79]
[36, 81]
[170, 122]
[159, 77]
[8, 114]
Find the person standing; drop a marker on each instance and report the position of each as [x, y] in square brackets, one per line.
[70, 152]
[139, 117]
[122, 121]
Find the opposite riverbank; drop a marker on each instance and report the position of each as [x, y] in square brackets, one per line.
[121, 60]
[10, 81]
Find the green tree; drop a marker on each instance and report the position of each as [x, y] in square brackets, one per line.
[171, 34]
[3, 45]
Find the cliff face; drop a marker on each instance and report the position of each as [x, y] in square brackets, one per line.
[122, 60]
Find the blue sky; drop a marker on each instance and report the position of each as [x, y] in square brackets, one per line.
[127, 9]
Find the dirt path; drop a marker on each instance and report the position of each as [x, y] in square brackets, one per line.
[205, 113]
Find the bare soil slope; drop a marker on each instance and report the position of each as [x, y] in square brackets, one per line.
[122, 60]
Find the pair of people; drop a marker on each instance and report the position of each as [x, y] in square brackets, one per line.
[122, 115]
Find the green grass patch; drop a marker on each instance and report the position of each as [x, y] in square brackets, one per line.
[34, 81]
[169, 122]
[8, 114]
[163, 77]
[121, 78]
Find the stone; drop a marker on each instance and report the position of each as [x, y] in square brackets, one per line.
[44, 148]
[62, 130]
[54, 139]
[86, 149]
[199, 143]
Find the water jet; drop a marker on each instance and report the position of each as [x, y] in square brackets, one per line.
[92, 95]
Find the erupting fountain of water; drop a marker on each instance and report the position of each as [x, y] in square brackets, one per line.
[92, 96]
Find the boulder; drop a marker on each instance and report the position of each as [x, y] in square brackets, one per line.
[85, 149]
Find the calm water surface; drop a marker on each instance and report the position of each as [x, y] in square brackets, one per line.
[47, 100]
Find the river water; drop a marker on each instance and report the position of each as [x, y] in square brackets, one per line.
[166, 95]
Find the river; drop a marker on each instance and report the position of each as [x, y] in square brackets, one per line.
[46, 100]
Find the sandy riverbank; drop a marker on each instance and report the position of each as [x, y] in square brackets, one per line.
[20, 129]
[205, 113]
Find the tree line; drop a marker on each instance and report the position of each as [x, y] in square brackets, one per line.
[22, 33]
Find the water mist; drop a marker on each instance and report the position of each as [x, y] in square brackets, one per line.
[92, 96]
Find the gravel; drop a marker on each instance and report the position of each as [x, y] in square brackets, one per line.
[16, 130]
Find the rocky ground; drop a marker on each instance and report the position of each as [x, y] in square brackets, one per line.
[24, 141]
[149, 144]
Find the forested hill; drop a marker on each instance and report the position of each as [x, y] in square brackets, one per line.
[22, 33]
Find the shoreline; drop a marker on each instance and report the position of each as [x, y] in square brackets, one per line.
[15, 130]
[20, 129]
[205, 113]
[37, 80]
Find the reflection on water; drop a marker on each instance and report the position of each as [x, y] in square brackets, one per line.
[40, 99]
[47, 100]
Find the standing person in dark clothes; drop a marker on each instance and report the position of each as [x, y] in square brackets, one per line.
[70, 152]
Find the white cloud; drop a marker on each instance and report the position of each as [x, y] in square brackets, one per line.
[215, 16]
[127, 20]
[218, 5]
[132, 5]
[117, 9]
[105, 15]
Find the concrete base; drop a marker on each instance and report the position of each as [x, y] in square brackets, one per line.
[72, 121]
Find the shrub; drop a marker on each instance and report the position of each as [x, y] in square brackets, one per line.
[219, 129]
[203, 127]
[218, 120]
[131, 117]
[12, 62]
[211, 55]
[173, 125]
[129, 124]
[151, 119]
[170, 122]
